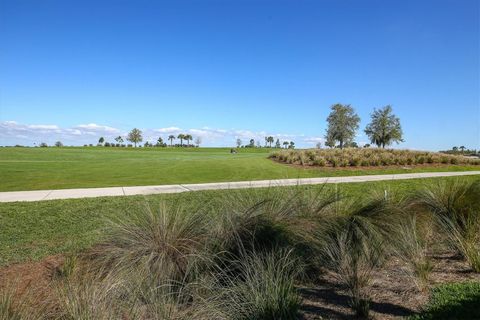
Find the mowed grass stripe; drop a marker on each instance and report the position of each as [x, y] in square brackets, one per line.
[64, 168]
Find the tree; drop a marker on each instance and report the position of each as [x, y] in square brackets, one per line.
[252, 143]
[455, 149]
[270, 140]
[135, 136]
[462, 148]
[266, 141]
[385, 128]
[319, 145]
[181, 136]
[101, 140]
[189, 138]
[58, 144]
[342, 124]
[285, 144]
[239, 142]
[198, 141]
[43, 145]
[171, 138]
[292, 145]
[329, 141]
[119, 139]
[160, 142]
[277, 144]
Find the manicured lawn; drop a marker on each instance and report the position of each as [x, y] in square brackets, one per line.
[33, 230]
[61, 168]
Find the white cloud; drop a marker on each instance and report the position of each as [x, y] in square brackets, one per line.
[97, 128]
[43, 126]
[168, 130]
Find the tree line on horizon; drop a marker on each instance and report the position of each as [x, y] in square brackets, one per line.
[383, 130]
[135, 136]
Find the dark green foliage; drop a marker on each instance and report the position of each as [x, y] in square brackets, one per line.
[455, 301]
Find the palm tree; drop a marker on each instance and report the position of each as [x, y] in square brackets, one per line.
[462, 148]
[181, 136]
[270, 140]
[285, 144]
[171, 138]
[188, 137]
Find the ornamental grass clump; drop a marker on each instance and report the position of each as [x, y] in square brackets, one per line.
[166, 242]
[455, 207]
[355, 157]
[354, 241]
[262, 289]
[412, 247]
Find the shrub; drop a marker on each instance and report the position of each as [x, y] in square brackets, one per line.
[362, 156]
[455, 206]
[352, 244]
[412, 248]
[263, 289]
[421, 160]
[452, 301]
[319, 161]
[166, 242]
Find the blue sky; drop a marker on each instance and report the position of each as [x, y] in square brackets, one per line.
[75, 70]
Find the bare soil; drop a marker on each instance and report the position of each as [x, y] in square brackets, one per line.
[394, 294]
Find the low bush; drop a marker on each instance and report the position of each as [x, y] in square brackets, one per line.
[367, 157]
[455, 301]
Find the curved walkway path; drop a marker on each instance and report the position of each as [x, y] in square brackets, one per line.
[41, 195]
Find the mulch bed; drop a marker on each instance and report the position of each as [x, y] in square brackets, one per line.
[394, 294]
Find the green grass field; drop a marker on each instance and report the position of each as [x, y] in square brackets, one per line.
[33, 230]
[75, 167]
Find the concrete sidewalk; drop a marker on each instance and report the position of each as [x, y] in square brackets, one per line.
[41, 195]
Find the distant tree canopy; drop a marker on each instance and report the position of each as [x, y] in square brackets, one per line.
[270, 140]
[384, 128]
[101, 140]
[135, 136]
[181, 136]
[58, 144]
[119, 139]
[171, 138]
[239, 142]
[189, 138]
[343, 123]
[277, 144]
